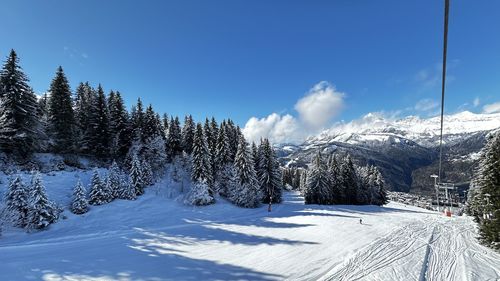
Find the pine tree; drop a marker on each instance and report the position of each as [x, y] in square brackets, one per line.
[118, 125]
[149, 126]
[335, 180]
[85, 112]
[201, 167]
[152, 125]
[137, 120]
[233, 137]
[16, 203]
[188, 134]
[61, 115]
[223, 149]
[127, 189]
[226, 180]
[380, 188]
[363, 192]
[147, 173]
[214, 128]
[224, 163]
[487, 197]
[256, 155]
[349, 181]
[79, 204]
[99, 136]
[43, 117]
[158, 125]
[199, 195]
[174, 139]
[317, 182]
[270, 174]
[98, 191]
[20, 128]
[210, 132]
[155, 152]
[136, 177]
[246, 193]
[113, 181]
[42, 212]
[303, 183]
[166, 125]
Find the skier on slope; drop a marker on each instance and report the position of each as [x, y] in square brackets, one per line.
[360, 221]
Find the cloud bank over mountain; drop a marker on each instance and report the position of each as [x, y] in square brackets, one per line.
[315, 111]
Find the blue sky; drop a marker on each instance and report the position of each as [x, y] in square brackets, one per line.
[243, 59]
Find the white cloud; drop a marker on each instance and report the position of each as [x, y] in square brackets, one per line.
[476, 102]
[320, 105]
[75, 53]
[492, 108]
[430, 77]
[315, 112]
[427, 77]
[279, 129]
[426, 105]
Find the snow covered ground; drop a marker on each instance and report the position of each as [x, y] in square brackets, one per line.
[157, 238]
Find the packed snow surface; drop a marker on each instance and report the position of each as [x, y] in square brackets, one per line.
[158, 238]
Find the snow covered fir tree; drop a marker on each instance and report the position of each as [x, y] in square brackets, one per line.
[246, 193]
[20, 130]
[202, 191]
[79, 204]
[17, 203]
[41, 212]
[484, 194]
[269, 173]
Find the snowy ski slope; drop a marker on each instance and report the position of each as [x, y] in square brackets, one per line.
[156, 238]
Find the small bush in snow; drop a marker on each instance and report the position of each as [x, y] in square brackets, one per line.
[199, 195]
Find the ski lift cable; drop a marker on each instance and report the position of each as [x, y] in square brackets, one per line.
[443, 82]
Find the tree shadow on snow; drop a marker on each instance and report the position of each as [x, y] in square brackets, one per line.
[155, 239]
[367, 209]
[161, 267]
[124, 259]
[296, 199]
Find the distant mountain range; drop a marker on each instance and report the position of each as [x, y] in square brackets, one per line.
[405, 150]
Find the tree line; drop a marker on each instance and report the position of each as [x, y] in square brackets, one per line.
[483, 200]
[139, 143]
[337, 180]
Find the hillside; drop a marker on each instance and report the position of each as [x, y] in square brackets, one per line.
[405, 150]
[159, 238]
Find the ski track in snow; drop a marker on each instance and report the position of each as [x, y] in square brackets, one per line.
[442, 243]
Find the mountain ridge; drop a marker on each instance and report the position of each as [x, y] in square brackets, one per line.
[405, 149]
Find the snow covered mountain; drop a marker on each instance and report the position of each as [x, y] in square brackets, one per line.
[400, 147]
[375, 127]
